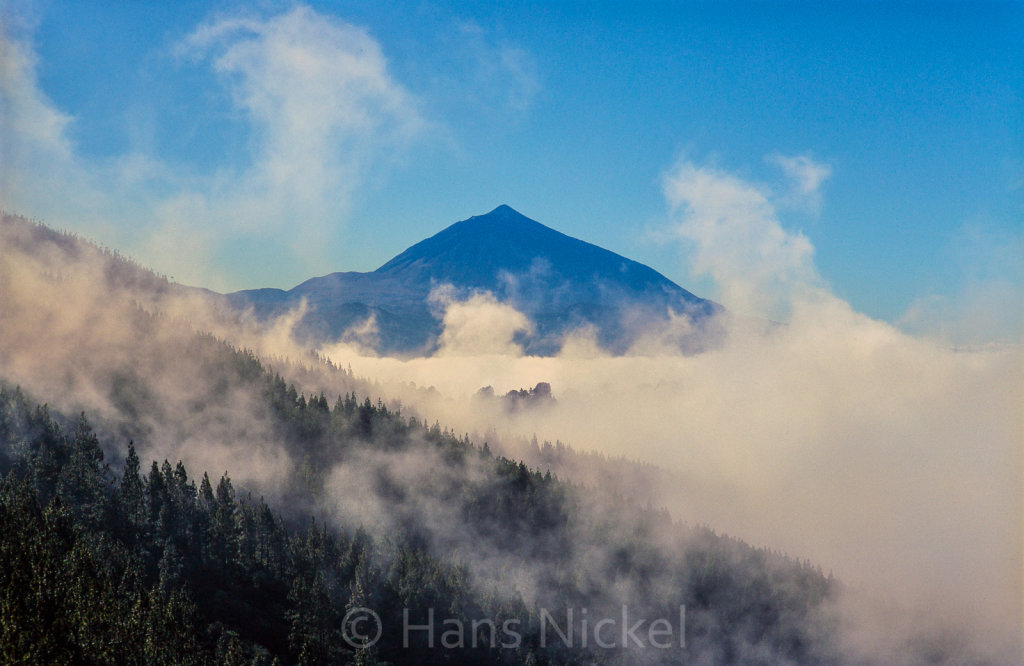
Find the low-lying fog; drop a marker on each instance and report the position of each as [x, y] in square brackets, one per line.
[891, 459]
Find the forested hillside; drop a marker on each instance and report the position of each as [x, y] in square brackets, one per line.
[155, 563]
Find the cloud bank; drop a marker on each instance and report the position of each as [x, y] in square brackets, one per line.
[891, 459]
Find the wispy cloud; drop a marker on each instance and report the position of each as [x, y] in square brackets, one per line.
[316, 117]
[320, 100]
[734, 235]
[35, 150]
[498, 72]
[805, 176]
[320, 107]
[521, 68]
[30, 119]
[988, 304]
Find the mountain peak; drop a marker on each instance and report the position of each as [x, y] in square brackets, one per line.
[485, 251]
[502, 216]
[503, 209]
[560, 282]
[481, 238]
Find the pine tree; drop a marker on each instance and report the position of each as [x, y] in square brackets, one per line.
[131, 490]
[224, 529]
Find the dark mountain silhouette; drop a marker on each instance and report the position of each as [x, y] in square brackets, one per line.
[560, 282]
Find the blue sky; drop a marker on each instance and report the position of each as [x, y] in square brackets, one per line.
[239, 146]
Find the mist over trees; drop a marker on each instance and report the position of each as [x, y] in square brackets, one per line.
[147, 565]
[143, 562]
[201, 490]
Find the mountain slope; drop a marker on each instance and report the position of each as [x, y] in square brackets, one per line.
[489, 251]
[163, 568]
[560, 282]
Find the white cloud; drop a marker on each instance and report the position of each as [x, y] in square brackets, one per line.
[322, 111]
[479, 325]
[323, 108]
[30, 120]
[499, 72]
[805, 176]
[35, 152]
[318, 94]
[734, 234]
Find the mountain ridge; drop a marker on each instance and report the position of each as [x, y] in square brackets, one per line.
[562, 283]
